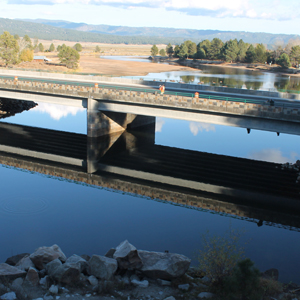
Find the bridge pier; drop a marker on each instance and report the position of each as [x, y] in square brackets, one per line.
[101, 123]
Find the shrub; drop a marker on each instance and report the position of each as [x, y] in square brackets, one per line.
[219, 255]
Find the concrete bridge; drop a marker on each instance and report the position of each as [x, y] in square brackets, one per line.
[130, 162]
[112, 108]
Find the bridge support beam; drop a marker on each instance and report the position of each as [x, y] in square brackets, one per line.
[101, 123]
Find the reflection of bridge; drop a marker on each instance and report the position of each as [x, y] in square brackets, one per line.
[111, 108]
[132, 163]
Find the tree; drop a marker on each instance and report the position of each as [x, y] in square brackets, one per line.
[28, 42]
[26, 55]
[97, 49]
[205, 45]
[250, 54]
[242, 50]
[57, 49]
[183, 52]
[261, 53]
[52, 48]
[295, 54]
[41, 47]
[17, 37]
[8, 48]
[154, 50]
[78, 47]
[169, 50]
[230, 50]
[201, 53]
[284, 61]
[176, 51]
[215, 48]
[191, 48]
[162, 52]
[69, 57]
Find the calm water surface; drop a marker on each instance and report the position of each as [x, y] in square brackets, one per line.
[38, 210]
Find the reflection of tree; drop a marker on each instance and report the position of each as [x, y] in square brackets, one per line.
[187, 78]
[253, 85]
[292, 84]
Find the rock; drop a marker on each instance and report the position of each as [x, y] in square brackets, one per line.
[205, 280]
[184, 287]
[170, 298]
[13, 260]
[110, 253]
[9, 296]
[205, 295]
[85, 256]
[66, 273]
[143, 284]
[32, 276]
[127, 256]
[44, 255]
[53, 289]
[163, 282]
[52, 266]
[48, 297]
[93, 280]
[45, 281]
[24, 264]
[165, 266]
[79, 261]
[17, 283]
[3, 289]
[271, 273]
[102, 267]
[10, 272]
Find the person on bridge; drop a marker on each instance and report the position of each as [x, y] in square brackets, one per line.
[162, 89]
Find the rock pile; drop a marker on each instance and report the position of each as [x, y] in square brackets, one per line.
[122, 273]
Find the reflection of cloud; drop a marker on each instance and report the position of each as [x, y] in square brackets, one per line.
[199, 126]
[253, 9]
[159, 124]
[273, 155]
[57, 111]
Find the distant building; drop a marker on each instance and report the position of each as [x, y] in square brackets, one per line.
[41, 58]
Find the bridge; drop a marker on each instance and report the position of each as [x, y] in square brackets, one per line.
[112, 108]
[130, 162]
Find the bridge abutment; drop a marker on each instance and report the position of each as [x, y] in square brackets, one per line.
[101, 123]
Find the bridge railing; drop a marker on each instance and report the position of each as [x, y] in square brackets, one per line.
[152, 90]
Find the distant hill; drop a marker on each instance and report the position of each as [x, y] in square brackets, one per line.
[80, 32]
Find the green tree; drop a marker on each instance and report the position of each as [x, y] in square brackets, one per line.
[162, 52]
[284, 61]
[154, 50]
[97, 49]
[205, 45]
[169, 50]
[201, 53]
[41, 47]
[215, 48]
[9, 48]
[26, 55]
[17, 37]
[78, 47]
[183, 52]
[242, 50]
[250, 54]
[295, 54]
[176, 50]
[230, 50]
[57, 49]
[52, 48]
[28, 42]
[261, 53]
[191, 48]
[69, 57]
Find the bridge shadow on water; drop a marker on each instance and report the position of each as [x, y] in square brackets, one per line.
[131, 162]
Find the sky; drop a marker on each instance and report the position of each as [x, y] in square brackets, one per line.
[272, 16]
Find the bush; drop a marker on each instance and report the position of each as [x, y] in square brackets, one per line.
[219, 255]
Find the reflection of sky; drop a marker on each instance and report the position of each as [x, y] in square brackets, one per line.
[232, 141]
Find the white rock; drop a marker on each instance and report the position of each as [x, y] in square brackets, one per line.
[93, 280]
[144, 283]
[184, 287]
[53, 289]
[9, 296]
[205, 295]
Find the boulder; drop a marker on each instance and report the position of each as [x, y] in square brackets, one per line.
[102, 267]
[32, 277]
[9, 296]
[110, 253]
[142, 284]
[24, 264]
[63, 273]
[127, 256]
[44, 255]
[13, 260]
[163, 265]
[206, 295]
[93, 280]
[184, 287]
[10, 272]
[79, 261]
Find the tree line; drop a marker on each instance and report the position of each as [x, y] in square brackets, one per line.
[232, 51]
[14, 50]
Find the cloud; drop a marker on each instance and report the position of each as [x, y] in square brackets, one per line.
[195, 127]
[57, 112]
[273, 155]
[159, 124]
[252, 9]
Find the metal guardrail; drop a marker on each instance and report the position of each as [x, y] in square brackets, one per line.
[142, 90]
